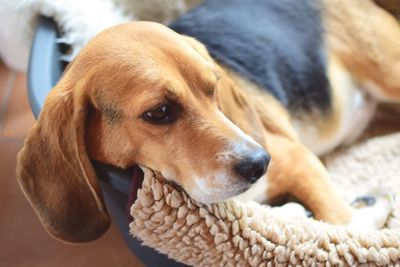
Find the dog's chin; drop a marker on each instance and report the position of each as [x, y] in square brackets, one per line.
[222, 196]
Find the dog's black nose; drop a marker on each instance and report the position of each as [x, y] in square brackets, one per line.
[253, 167]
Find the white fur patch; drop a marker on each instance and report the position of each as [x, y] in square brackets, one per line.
[257, 192]
[374, 217]
[290, 210]
[215, 188]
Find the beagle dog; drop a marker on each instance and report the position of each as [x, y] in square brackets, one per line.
[231, 88]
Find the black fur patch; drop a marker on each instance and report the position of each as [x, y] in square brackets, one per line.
[277, 44]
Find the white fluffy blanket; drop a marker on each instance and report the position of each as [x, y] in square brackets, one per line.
[79, 20]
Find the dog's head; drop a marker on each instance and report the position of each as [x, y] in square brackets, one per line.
[138, 93]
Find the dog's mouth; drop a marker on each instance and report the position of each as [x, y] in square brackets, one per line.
[135, 185]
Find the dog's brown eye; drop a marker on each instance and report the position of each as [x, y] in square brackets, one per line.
[162, 114]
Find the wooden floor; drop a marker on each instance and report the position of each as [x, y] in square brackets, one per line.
[23, 241]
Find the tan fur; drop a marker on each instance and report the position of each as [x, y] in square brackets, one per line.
[95, 112]
[294, 169]
[363, 44]
[54, 170]
[366, 39]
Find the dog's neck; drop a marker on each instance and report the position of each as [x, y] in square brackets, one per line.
[252, 109]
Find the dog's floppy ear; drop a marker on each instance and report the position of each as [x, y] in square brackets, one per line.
[56, 174]
[230, 100]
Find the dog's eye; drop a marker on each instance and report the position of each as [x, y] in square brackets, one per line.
[162, 114]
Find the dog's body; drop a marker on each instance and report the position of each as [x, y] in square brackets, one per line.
[285, 48]
[305, 82]
[278, 45]
[294, 52]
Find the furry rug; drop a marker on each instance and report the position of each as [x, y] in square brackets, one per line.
[249, 234]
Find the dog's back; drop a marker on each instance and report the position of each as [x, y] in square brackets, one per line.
[276, 44]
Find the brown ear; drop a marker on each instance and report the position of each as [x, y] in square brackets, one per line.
[56, 174]
[230, 100]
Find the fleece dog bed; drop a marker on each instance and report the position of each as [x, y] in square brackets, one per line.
[249, 234]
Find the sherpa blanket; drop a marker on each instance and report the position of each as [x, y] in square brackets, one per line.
[249, 234]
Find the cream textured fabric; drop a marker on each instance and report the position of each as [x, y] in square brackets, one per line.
[78, 20]
[249, 234]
